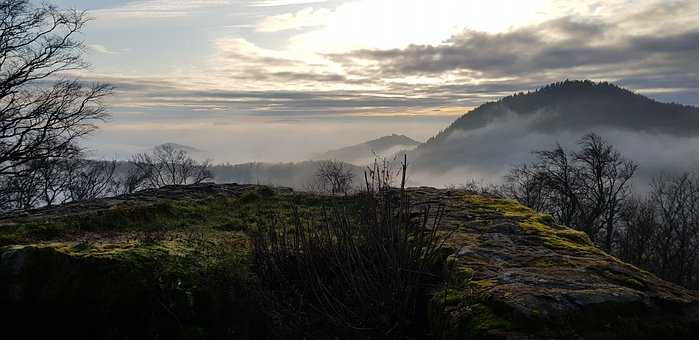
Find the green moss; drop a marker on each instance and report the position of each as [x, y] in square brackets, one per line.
[507, 208]
[213, 212]
[455, 314]
[624, 279]
[546, 219]
[449, 297]
[554, 236]
[485, 320]
[482, 285]
[463, 275]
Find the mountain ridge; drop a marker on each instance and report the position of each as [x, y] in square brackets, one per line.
[574, 92]
[363, 153]
[493, 137]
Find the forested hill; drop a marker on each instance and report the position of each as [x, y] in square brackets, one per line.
[490, 139]
[577, 104]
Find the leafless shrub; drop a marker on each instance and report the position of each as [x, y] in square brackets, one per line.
[584, 189]
[90, 179]
[482, 187]
[351, 273]
[382, 175]
[166, 165]
[333, 177]
[56, 181]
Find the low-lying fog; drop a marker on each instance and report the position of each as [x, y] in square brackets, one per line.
[485, 154]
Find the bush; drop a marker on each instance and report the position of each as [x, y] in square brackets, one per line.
[351, 273]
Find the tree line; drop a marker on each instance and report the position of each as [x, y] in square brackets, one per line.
[590, 189]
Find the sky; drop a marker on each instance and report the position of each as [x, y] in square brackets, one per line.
[279, 80]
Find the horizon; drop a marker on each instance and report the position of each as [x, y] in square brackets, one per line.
[277, 81]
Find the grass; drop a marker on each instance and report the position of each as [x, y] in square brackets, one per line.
[253, 208]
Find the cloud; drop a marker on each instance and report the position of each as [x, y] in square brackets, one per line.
[104, 49]
[276, 3]
[594, 47]
[308, 17]
[158, 8]
[555, 45]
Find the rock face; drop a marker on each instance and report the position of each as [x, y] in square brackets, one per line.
[546, 281]
[173, 263]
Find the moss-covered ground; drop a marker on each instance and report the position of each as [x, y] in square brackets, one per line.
[177, 266]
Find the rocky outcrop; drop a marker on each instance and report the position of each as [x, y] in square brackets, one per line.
[173, 263]
[541, 280]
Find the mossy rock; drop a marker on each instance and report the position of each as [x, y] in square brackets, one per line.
[174, 263]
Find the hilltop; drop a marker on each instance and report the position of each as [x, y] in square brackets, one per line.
[363, 153]
[175, 263]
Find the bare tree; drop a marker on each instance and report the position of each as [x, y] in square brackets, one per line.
[43, 113]
[585, 189]
[166, 165]
[676, 200]
[334, 177]
[526, 185]
[55, 179]
[90, 179]
[134, 180]
[638, 233]
[660, 232]
[20, 192]
[550, 183]
[605, 180]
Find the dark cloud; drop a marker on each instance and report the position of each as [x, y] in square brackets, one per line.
[555, 45]
[258, 74]
[627, 50]
[212, 103]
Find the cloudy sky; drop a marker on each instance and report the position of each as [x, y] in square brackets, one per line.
[269, 80]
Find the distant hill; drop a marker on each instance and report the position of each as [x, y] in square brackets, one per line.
[187, 148]
[362, 154]
[491, 138]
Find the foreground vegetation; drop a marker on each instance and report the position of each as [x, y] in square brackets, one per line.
[229, 261]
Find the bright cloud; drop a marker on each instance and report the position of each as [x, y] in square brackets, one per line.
[308, 17]
[158, 8]
[275, 3]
